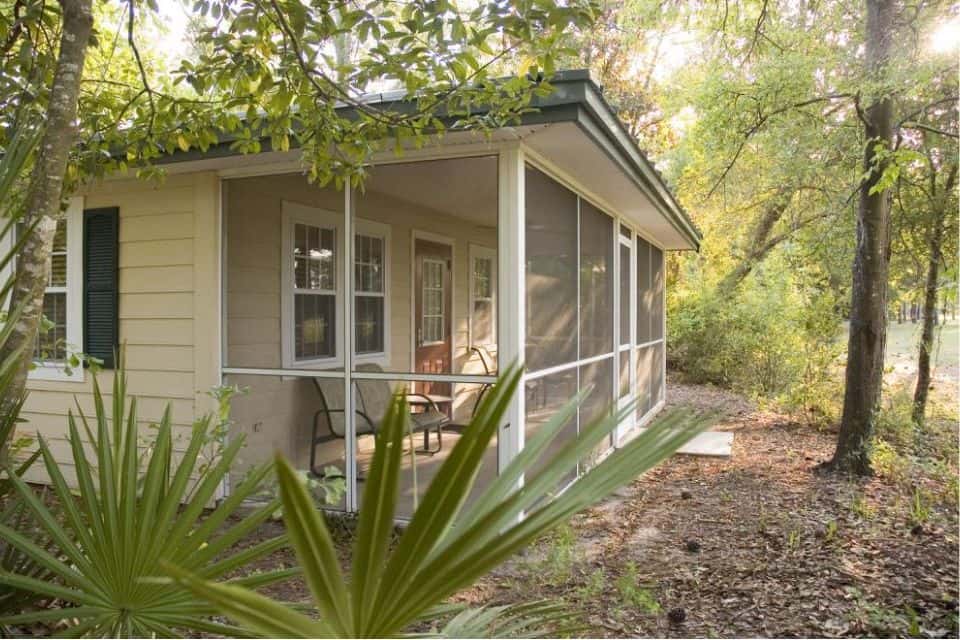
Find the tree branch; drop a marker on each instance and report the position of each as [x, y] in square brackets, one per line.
[143, 72]
[924, 127]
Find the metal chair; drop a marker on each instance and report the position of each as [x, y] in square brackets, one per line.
[373, 399]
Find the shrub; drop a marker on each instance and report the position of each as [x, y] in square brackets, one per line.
[770, 338]
[130, 512]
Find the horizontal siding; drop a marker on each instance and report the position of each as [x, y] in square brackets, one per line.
[166, 305]
[155, 253]
[169, 226]
[157, 309]
[160, 357]
[157, 331]
[172, 279]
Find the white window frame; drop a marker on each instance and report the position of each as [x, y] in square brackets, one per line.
[476, 252]
[378, 230]
[294, 213]
[443, 302]
[57, 370]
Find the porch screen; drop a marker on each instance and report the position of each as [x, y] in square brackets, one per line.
[596, 281]
[424, 300]
[551, 247]
[569, 305]
[650, 317]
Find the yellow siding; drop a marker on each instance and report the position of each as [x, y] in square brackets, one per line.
[168, 309]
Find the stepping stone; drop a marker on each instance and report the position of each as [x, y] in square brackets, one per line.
[714, 444]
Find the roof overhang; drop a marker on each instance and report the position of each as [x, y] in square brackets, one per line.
[573, 130]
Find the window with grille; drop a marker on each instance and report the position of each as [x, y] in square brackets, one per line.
[314, 291]
[432, 322]
[369, 290]
[51, 344]
[483, 286]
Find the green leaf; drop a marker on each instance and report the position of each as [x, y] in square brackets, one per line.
[315, 551]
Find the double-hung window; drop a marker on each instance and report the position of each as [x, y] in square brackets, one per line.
[483, 286]
[313, 281]
[312, 298]
[61, 332]
[370, 268]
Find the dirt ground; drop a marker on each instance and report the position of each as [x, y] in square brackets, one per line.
[761, 544]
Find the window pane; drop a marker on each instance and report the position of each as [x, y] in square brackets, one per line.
[260, 303]
[596, 281]
[369, 324]
[57, 275]
[453, 402]
[624, 294]
[60, 236]
[295, 416]
[58, 270]
[482, 321]
[369, 259]
[551, 272]
[326, 256]
[51, 344]
[643, 291]
[314, 326]
[482, 273]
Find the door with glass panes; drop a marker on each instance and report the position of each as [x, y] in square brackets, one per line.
[432, 310]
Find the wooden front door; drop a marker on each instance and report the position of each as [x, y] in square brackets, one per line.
[432, 306]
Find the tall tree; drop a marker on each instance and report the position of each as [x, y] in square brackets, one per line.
[926, 203]
[930, 292]
[868, 303]
[45, 190]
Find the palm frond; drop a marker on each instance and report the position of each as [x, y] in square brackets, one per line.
[126, 516]
[447, 546]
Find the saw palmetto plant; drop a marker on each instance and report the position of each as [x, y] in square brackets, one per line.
[131, 511]
[448, 543]
[14, 161]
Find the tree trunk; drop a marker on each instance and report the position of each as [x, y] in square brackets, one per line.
[758, 245]
[935, 247]
[929, 322]
[44, 193]
[868, 308]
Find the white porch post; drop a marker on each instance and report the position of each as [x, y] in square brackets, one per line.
[511, 284]
[617, 329]
[350, 427]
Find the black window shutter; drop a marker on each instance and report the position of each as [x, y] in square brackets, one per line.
[101, 283]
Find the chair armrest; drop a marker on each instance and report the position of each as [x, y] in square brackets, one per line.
[433, 405]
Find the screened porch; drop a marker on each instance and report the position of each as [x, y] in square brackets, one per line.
[427, 280]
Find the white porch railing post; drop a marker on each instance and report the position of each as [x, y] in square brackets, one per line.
[349, 415]
[511, 314]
